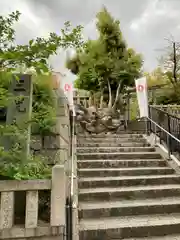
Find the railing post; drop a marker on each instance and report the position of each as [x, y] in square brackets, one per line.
[166, 129]
[149, 125]
[78, 100]
[128, 108]
[169, 130]
[146, 125]
[168, 137]
[69, 223]
[155, 132]
[75, 198]
[58, 196]
[168, 147]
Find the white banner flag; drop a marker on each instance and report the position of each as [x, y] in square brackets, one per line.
[142, 96]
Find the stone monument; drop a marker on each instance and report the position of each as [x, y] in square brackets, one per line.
[20, 108]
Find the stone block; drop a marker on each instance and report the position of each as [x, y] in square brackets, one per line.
[61, 111]
[20, 109]
[54, 155]
[51, 155]
[58, 196]
[7, 210]
[41, 232]
[57, 128]
[36, 143]
[31, 209]
[52, 142]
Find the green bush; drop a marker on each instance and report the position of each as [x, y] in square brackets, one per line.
[14, 162]
[133, 107]
[44, 111]
[169, 95]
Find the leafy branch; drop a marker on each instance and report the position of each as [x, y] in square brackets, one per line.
[34, 57]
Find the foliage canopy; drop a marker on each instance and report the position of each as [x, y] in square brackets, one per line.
[34, 58]
[106, 64]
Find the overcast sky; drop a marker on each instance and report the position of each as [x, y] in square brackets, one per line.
[145, 23]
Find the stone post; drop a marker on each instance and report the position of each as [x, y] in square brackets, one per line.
[78, 99]
[31, 219]
[7, 210]
[58, 196]
[19, 111]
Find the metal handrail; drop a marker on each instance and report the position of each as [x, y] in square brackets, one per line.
[161, 110]
[164, 130]
[72, 157]
[167, 133]
[70, 198]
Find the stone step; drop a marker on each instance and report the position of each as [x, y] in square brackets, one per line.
[114, 144]
[114, 149]
[100, 182]
[167, 237]
[125, 189]
[129, 227]
[119, 155]
[122, 135]
[112, 172]
[129, 207]
[129, 193]
[109, 163]
[111, 140]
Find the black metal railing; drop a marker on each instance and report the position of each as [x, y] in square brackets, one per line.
[69, 199]
[167, 122]
[69, 217]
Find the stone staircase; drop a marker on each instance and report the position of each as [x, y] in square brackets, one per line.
[126, 190]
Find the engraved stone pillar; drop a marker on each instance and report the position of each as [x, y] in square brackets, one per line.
[58, 196]
[7, 210]
[31, 209]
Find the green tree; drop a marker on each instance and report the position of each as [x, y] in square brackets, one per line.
[33, 57]
[106, 64]
[171, 61]
[156, 78]
[171, 65]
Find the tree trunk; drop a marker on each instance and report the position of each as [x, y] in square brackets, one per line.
[101, 99]
[117, 96]
[91, 99]
[175, 63]
[94, 100]
[110, 95]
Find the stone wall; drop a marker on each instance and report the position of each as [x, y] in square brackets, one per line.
[19, 195]
[55, 145]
